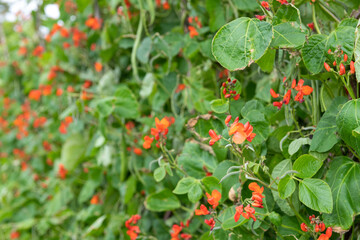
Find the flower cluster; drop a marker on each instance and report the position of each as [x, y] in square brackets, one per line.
[176, 231]
[159, 132]
[256, 202]
[238, 131]
[95, 200]
[165, 5]
[93, 23]
[62, 171]
[213, 200]
[318, 227]
[53, 72]
[341, 58]
[301, 92]
[194, 24]
[64, 124]
[228, 89]
[133, 231]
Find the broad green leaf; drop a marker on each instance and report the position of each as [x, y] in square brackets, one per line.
[162, 201]
[288, 35]
[297, 144]
[72, 151]
[316, 194]
[286, 187]
[147, 85]
[82, 4]
[286, 13]
[125, 102]
[241, 42]
[348, 120]
[220, 172]
[325, 134]
[279, 170]
[95, 225]
[193, 159]
[216, 12]
[275, 218]
[356, 132]
[344, 37]
[307, 166]
[313, 53]
[246, 5]
[195, 192]
[211, 183]
[144, 50]
[130, 189]
[159, 174]
[184, 185]
[357, 52]
[104, 157]
[219, 105]
[266, 62]
[343, 178]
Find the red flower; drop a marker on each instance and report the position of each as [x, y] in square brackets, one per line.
[287, 97]
[260, 17]
[241, 132]
[352, 67]
[186, 236]
[202, 211]
[304, 227]
[148, 141]
[342, 69]
[311, 26]
[193, 31]
[137, 151]
[277, 104]
[14, 235]
[66, 45]
[227, 120]
[282, 2]
[214, 198]
[180, 87]
[95, 199]
[133, 231]
[46, 146]
[249, 213]
[327, 235]
[35, 95]
[327, 67]
[210, 222]
[345, 57]
[22, 51]
[166, 5]
[98, 66]
[273, 93]
[38, 51]
[265, 5]
[303, 91]
[62, 171]
[239, 212]
[59, 92]
[93, 23]
[214, 137]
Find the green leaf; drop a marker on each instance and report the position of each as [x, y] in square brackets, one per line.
[184, 185]
[356, 132]
[246, 5]
[130, 189]
[220, 172]
[279, 170]
[266, 62]
[162, 201]
[72, 151]
[297, 144]
[159, 174]
[126, 104]
[82, 4]
[144, 50]
[147, 85]
[286, 187]
[307, 166]
[286, 13]
[344, 180]
[348, 120]
[95, 225]
[211, 183]
[313, 53]
[357, 52]
[288, 35]
[215, 9]
[195, 192]
[241, 42]
[325, 134]
[344, 37]
[219, 105]
[316, 194]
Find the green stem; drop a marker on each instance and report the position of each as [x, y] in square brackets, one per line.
[314, 19]
[135, 48]
[349, 88]
[295, 211]
[329, 12]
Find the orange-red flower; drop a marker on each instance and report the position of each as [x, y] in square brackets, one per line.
[277, 104]
[46, 145]
[214, 137]
[241, 132]
[302, 91]
[62, 171]
[210, 222]
[265, 5]
[256, 195]
[249, 213]
[22, 51]
[14, 235]
[327, 67]
[304, 227]
[137, 151]
[327, 234]
[192, 31]
[95, 199]
[38, 51]
[282, 1]
[147, 142]
[98, 66]
[93, 23]
[180, 87]
[311, 26]
[166, 5]
[202, 211]
[239, 210]
[59, 92]
[352, 67]
[133, 231]
[273, 93]
[287, 97]
[66, 45]
[214, 198]
[35, 95]
[342, 69]
[175, 231]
